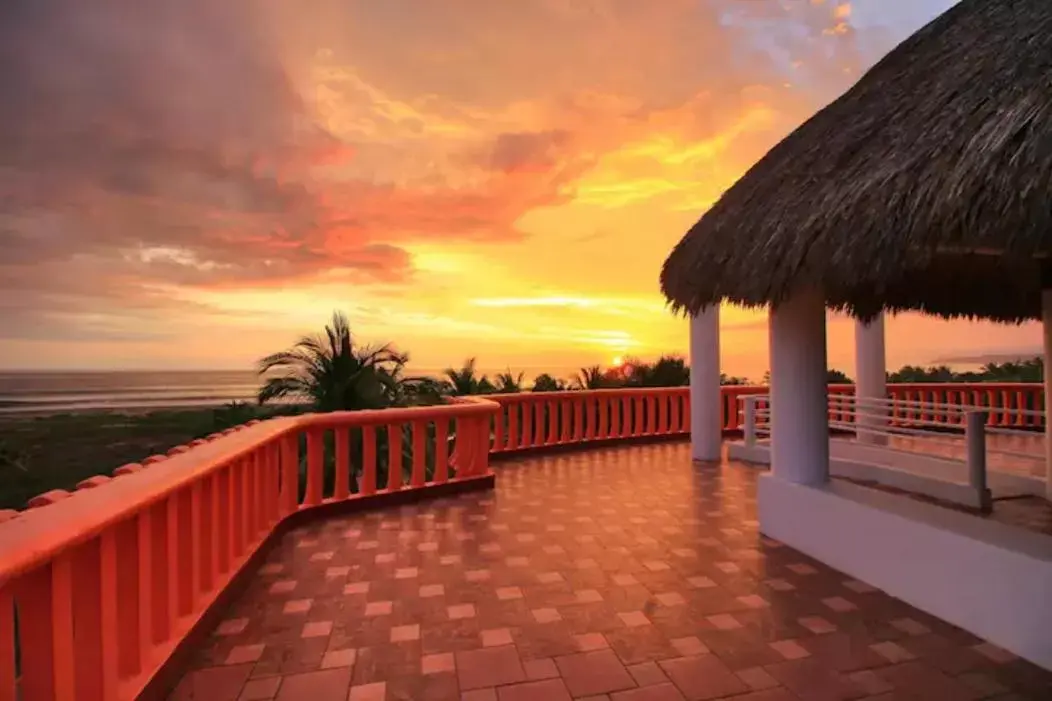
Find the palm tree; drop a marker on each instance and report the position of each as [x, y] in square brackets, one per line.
[668, 371]
[547, 383]
[334, 373]
[590, 378]
[838, 377]
[508, 383]
[416, 391]
[463, 380]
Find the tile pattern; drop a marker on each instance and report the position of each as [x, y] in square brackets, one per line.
[622, 574]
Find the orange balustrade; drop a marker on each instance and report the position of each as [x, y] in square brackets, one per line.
[529, 420]
[96, 591]
[1012, 405]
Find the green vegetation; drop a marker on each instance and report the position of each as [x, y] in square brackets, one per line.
[40, 453]
[547, 383]
[1032, 370]
[333, 372]
[465, 380]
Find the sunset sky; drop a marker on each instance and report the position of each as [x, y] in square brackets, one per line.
[194, 183]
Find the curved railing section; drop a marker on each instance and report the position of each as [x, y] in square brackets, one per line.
[97, 587]
[536, 420]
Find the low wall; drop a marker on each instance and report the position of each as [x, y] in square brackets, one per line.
[988, 578]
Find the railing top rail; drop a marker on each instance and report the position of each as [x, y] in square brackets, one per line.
[38, 535]
[530, 395]
[967, 385]
[454, 407]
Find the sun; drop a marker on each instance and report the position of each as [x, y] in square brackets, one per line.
[618, 361]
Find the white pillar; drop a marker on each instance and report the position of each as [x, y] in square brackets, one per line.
[870, 377]
[706, 410]
[1046, 322]
[799, 401]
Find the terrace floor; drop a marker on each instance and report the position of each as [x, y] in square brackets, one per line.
[622, 573]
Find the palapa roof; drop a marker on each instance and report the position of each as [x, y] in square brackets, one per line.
[927, 186]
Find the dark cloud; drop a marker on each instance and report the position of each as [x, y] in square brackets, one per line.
[164, 143]
[528, 151]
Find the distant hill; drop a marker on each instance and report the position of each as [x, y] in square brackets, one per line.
[988, 358]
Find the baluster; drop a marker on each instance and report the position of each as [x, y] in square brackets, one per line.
[526, 435]
[275, 480]
[590, 417]
[194, 546]
[564, 414]
[244, 503]
[315, 466]
[290, 474]
[442, 449]
[36, 627]
[175, 582]
[185, 552]
[604, 418]
[394, 457]
[419, 474]
[220, 520]
[125, 610]
[204, 516]
[481, 454]
[538, 421]
[552, 407]
[498, 420]
[342, 486]
[146, 564]
[77, 624]
[578, 420]
[368, 485]
[685, 412]
[514, 440]
[729, 410]
[160, 584]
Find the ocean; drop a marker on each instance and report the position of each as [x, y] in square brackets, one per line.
[53, 392]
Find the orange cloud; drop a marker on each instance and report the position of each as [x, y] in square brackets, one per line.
[510, 172]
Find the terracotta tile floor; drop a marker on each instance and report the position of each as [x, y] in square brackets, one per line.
[621, 574]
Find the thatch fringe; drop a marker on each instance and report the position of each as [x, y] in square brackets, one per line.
[927, 186]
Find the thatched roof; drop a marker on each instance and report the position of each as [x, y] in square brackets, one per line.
[927, 186]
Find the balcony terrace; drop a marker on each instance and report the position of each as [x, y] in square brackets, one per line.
[526, 549]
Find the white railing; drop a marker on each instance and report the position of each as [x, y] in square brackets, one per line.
[946, 433]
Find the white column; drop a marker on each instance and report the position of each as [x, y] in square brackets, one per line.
[870, 377]
[706, 410]
[1046, 322]
[799, 401]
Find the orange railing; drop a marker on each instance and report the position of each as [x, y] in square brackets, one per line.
[529, 420]
[1009, 405]
[543, 419]
[533, 420]
[98, 587]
